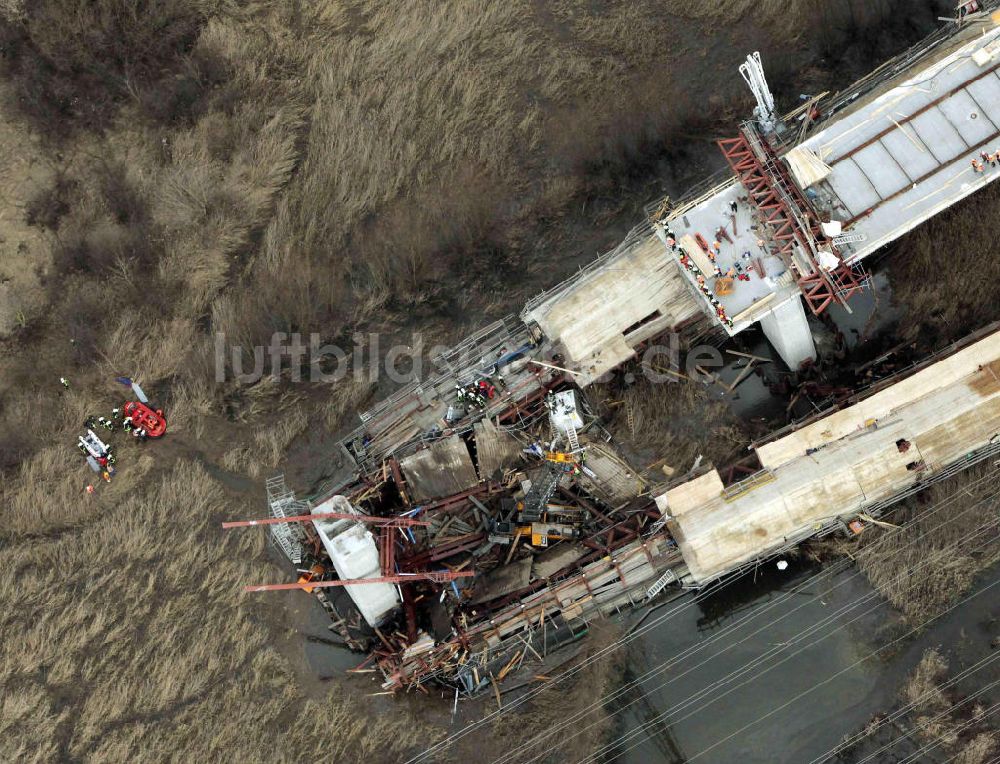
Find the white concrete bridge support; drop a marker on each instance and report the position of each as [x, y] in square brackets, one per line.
[788, 330]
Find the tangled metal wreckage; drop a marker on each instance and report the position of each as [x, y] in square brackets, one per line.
[507, 522]
[490, 518]
[483, 536]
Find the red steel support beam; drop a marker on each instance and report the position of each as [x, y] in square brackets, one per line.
[387, 551]
[443, 551]
[397, 477]
[402, 578]
[819, 288]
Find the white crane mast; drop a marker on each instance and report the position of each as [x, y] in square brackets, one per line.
[753, 74]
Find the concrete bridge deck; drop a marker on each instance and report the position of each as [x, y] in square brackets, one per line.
[898, 153]
[907, 154]
[841, 464]
[893, 159]
[889, 156]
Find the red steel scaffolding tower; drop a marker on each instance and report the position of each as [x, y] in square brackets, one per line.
[791, 217]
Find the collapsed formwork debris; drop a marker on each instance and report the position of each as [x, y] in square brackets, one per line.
[474, 586]
[473, 552]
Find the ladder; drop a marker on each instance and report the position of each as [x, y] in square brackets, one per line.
[572, 439]
[660, 584]
[570, 434]
[282, 502]
[850, 238]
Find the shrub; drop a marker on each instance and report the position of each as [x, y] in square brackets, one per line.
[73, 61]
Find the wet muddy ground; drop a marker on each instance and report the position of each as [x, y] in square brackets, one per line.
[807, 686]
[868, 324]
[760, 680]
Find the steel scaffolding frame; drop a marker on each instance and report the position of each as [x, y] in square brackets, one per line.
[789, 215]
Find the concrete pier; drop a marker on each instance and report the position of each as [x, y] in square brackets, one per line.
[788, 330]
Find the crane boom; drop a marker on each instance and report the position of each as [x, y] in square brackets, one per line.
[436, 577]
[753, 74]
[389, 522]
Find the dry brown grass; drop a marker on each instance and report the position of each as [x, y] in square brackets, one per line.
[980, 749]
[945, 273]
[346, 397]
[938, 540]
[674, 422]
[329, 166]
[569, 698]
[247, 168]
[938, 718]
[922, 687]
[936, 723]
[133, 643]
[264, 452]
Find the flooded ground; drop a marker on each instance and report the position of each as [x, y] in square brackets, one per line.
[870, 312]
[782, 668]
[749, 396]
[847, 336]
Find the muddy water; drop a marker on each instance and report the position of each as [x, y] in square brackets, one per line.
[751, 398]
[870, 312]
[800, 696]
[809, 726]
[322, 648]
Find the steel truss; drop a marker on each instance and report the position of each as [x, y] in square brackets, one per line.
[784, 208]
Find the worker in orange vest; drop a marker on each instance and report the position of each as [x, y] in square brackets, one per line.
[308, 576]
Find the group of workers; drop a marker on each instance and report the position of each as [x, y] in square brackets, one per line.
[709, 295]
[736, 271]
[128, 425]
[106, 459]
[988, 159]
[476, 394]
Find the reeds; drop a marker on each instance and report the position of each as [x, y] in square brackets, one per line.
[247, 168]
[133, 641]
[943, 542]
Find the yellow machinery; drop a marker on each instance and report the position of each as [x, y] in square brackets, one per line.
[541, 533]
[560, 457]
[723, 286]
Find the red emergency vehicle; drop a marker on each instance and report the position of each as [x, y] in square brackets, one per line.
[145, 418]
